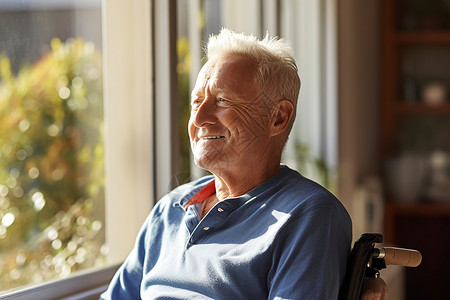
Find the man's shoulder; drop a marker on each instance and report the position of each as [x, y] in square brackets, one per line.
[299, 192]
[292, 182]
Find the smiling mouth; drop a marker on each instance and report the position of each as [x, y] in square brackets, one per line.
[213, 137]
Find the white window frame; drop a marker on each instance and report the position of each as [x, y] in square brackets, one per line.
[165, 94]
[128, 115]
[127, 41]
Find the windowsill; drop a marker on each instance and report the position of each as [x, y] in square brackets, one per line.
[92, 282]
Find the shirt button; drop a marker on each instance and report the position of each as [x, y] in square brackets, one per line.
[206, 228]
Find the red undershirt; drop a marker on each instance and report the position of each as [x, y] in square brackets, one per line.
[202, 195]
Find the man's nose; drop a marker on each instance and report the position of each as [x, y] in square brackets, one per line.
[205, 113]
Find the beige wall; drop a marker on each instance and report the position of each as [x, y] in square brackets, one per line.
[358, 69]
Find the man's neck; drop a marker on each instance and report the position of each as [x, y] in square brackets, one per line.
[234, 185]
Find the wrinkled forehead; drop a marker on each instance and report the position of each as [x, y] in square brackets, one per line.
[234, 73]
[205, 73]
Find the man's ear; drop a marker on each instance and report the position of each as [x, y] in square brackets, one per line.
[282, 115]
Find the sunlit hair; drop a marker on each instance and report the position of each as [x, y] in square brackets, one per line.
[276, 76]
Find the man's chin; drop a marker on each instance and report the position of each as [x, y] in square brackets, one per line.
[213, 165]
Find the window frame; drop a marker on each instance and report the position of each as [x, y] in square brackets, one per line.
[129, 121]
[92, 284]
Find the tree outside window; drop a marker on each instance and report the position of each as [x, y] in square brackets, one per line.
[51, 159]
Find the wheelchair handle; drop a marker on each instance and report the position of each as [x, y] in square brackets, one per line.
[398, 256]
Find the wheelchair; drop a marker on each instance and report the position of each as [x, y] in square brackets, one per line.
[366, 261]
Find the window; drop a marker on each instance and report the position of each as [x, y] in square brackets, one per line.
[51, 137]
[127, 130]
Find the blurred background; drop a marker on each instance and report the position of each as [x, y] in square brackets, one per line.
[373, 122]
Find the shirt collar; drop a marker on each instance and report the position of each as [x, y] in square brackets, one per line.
[202, 195]
[197, 186]
[185, 192]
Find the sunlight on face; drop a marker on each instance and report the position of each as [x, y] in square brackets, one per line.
[228, 127]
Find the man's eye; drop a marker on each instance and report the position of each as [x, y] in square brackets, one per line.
[196, 103]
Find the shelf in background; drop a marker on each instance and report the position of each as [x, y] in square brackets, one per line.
[416, 108]
[432, 208]
[412, 211]
[416, 51]
[423, 37]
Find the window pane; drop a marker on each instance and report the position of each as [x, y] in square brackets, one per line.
[184, 57]
[51, 140]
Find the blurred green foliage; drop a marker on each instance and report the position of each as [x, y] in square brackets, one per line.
[51, 164]
[315, 168]
[184, 108]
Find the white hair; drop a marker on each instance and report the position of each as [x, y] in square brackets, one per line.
[277, 74]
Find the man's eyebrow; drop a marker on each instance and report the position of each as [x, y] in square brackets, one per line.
[200, 93]
[195, 94]
[224, 90]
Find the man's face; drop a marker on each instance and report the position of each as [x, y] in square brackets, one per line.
[228, 127]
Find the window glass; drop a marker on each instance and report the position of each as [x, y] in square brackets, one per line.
[184, 59]
[51, 140]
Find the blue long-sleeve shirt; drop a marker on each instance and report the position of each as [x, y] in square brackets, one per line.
[288, 238]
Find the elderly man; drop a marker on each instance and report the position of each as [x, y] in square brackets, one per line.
[255, 229]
